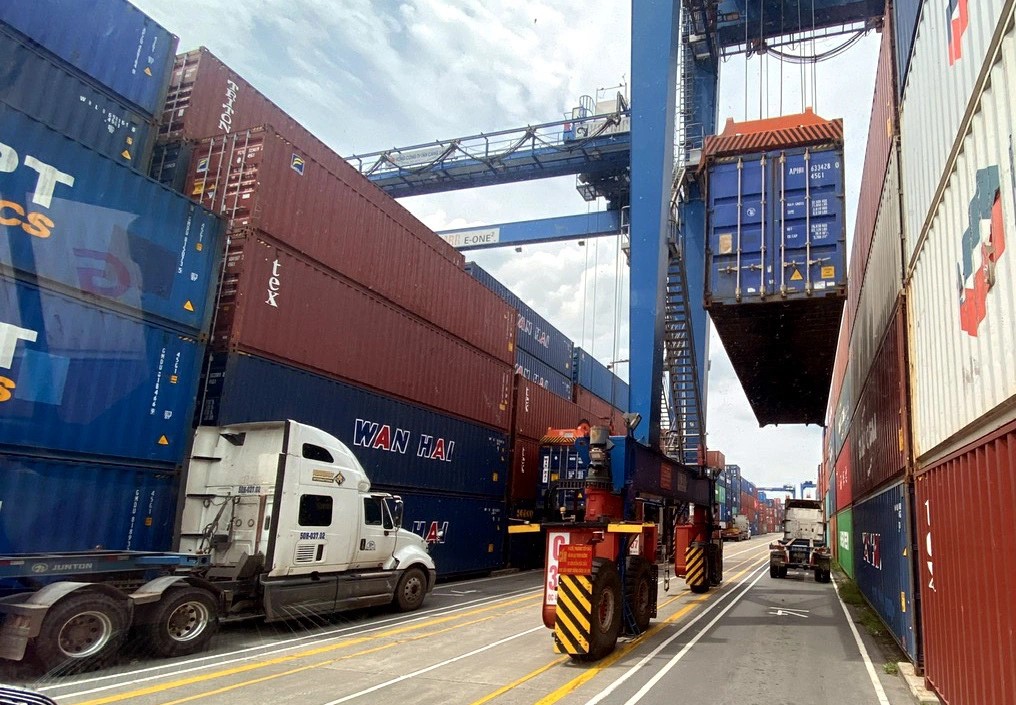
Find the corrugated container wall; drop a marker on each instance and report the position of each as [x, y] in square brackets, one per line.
[968, 611]
[592, 374]
[845, 541]
[326, 217]
[883, 553]
[537, 409]
[881, 437]
[598, 412]
[542, 374]
[58, 391]
[953, 40]
[962, 294]
[834, 425]
[397, 443]
[463, 534]
[906, 13]
[62, 505]
[844, 465]
[320, 321]
[103, 230]
[111, 41]
[534, 334]
[525, 477]
[70, 104]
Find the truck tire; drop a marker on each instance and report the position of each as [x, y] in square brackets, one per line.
[638, 591]
[774, 571]
[605, 626]
[821, 576]
[783, 571]
[181, 623]
[81, 632]
[411, 590]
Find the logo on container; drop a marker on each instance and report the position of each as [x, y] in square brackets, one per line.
[982, 245]
[432, 532]
[957, 21]
[297, 164]
[14, 214]
[872, 549]
[274, 284]
[226, 118]
[9, 337]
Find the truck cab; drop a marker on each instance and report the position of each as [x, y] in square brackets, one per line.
[803, 546]
[291, 506]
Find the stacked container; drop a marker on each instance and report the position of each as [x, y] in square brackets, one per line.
[105, 284]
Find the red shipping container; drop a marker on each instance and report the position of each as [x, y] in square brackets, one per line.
[881, 445]
[965, 536]
[715, 459]
[526, 471]
[537, 409]
[883, 127]
[207, 98]
[844, 463]
[280, 305]
[259, 180]
[599, 412]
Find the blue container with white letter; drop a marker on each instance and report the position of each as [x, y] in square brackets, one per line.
[49, 504]
[396, 442]
[111, 41]
[79, 221]
[44, 89]
[542, 374]
[78, 379]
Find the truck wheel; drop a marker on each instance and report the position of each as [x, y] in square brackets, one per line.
[605, 626]
[81, 632]
[774, 572]
[182, 622]
[821, 576]
[638, 591]
[783, 571]
[410, 591]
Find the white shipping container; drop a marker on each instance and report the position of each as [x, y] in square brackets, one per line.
[882, 282]
[962, 294]
[952, 42]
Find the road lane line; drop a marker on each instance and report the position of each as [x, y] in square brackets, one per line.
[519, 681]
[868, 666]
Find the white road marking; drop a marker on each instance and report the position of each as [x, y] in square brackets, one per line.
[463, 592]
[784, 612]
[653, 654]
[868, 666]
[428, 669]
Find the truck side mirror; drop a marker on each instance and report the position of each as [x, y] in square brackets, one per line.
[397, 512]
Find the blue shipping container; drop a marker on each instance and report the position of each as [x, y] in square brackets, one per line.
[464, 534]
[535, 334]
[79, 379]
[759, 226]
[397, 443]
[883, 562]
[170, 163]
[593, 375]
[103, 229]
[111, 41]
[70, 505]
[50, 93]
[542, 374]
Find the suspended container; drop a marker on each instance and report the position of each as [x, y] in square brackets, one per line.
[776, 259]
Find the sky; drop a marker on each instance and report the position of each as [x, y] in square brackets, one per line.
[365, 75]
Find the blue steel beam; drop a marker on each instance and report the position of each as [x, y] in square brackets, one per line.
[654, 41]
[531, 232]
[776, 18]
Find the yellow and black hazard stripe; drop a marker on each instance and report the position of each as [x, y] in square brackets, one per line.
[573, 613]
[695, 566]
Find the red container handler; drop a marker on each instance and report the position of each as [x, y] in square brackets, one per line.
[207, 98]
[258, 179]
[965, 535]
[537, 409]
[279, 304]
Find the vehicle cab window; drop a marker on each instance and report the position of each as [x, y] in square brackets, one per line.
[315, 510]
[375, 513]
[313, 452]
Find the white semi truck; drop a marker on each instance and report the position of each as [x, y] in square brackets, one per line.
[803, 546]
[278, 522]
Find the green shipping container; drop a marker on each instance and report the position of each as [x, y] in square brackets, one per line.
[721, 495]
[844, 541]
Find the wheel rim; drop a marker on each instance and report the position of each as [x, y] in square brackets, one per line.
[413, 588]
[188, 621]
[605, 613]
[85, 634]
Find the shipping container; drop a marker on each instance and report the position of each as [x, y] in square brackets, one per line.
[170, 164]
[524, 551]
[843, 473]
[396, 442]
[537, 409]
[534, 333]
[838, 378]
[906, 13]
[878, 285]
[845, 541]
[111, 41]
[103, 231]
[592, 374]
[79, 379]
[962, 292]
[598, 412]
[38, 85]
[325, 217]
[884, 562]
[945, 74]
[464, 534]
[881, 444]
[282, 305]
[964, 508]
[74, 505]
[525, 478]
[542, 374]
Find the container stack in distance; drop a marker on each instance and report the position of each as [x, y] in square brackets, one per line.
[105, 284]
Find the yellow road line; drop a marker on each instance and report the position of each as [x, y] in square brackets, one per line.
[519, 681]
[257, 665]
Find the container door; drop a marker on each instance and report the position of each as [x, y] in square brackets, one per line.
[737, 200]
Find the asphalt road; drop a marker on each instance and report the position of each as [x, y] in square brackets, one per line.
[483, 641]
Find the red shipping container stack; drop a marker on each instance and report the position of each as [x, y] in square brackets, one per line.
[599, 412]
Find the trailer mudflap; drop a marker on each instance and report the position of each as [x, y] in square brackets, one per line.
[21, 622]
